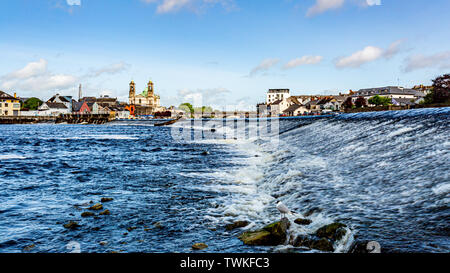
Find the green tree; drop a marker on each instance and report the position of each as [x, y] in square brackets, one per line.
[188, 108]
[380, 101]
[32, 104]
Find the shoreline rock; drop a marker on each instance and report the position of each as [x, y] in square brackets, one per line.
[106, 199]
[334, 231]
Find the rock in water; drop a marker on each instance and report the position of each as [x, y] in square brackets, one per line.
[333, 231]
[106, 199]
[87, 214]
[72, 225]
[311, 242]
[323, 245]
[303, 222]
[199, 246]
[96, 207]
[105, 212]
[271, 235]
[237, 224]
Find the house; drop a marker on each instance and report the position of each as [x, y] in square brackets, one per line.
[66, 100]
[53, 109]
[83, 108]
[295, 110]
[9, 105]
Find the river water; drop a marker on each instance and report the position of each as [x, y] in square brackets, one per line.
[385, 175]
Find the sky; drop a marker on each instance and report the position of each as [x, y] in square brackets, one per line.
[227, 52]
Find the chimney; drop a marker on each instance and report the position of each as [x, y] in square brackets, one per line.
[15, 95]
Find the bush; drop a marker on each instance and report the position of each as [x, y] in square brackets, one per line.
[380, 101]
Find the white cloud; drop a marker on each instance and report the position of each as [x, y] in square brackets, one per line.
[30, 70]
[373, 2]
[368, 54]
[439, 60]
[264, 66]
[73, 2]
[201, 97]
[324, 5]
[305, 60]
[168, 6]
[109, 69]
[35, 77]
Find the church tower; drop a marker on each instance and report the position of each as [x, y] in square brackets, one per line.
[150, 91]
[132, 95]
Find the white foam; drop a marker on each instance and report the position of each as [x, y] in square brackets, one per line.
[11, 156]
[441, 189]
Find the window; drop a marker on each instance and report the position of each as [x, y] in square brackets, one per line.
[6, 105]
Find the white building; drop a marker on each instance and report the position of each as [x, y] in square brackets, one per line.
[393, 92]
[277, 94]
[53, 109]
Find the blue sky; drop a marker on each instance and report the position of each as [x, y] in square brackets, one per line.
[228, 51]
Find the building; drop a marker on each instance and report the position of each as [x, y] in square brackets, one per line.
[146, 103]
[277, 94]
[9, 105]
[66, 100]
[53, 109]
[393, 92]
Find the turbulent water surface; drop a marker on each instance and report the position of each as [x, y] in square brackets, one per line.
[385, 175]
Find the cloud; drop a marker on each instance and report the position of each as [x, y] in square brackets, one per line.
[439, 60]
[170, 6]
[109, 69]
[368, 54]
[36, 77]
[264, 66]
[200, 97]
[373, 2]
[324, 5]
[305, 60]
[73, 2]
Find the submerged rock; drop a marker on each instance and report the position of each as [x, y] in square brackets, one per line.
[131, 229]
[97, 206]
[312, 211]
[102, 243]
[105, 212]
[71, 225]
[334, 231]
[87, 214]
[29, 248]
[158, 225]
[303, 222]
[106, 199]
[271, 235]
[199, 246]
[237, 224]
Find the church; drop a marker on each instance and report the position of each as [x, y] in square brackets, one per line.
[147, 102]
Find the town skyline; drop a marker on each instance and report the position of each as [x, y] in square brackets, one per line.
[225, 50]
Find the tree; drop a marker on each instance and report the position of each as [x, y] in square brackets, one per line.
[379, 100]
[188, 108]
[32, 104]
[360, 102]
[441, 89]
[348, 103]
